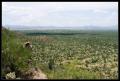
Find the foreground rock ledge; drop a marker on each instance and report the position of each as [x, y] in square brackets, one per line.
[36, 73]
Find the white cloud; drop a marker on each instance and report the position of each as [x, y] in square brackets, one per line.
[60, 13]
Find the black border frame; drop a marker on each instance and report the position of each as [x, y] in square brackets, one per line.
[65, 1]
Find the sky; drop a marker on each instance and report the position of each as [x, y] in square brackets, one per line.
[62, 14]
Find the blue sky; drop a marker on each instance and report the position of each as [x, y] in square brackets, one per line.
[60, 13]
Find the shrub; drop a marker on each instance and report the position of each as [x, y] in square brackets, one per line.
[13, 56]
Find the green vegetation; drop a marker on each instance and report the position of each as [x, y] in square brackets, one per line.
[81, 55]
[64, 54]
[14, 57]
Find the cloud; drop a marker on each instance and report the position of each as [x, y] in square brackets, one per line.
[60, 13]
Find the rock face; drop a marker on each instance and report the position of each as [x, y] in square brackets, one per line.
[35, 73]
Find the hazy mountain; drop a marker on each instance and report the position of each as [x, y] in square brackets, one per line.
[16, 27]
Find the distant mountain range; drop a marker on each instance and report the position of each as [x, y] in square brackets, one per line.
[16, 27]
